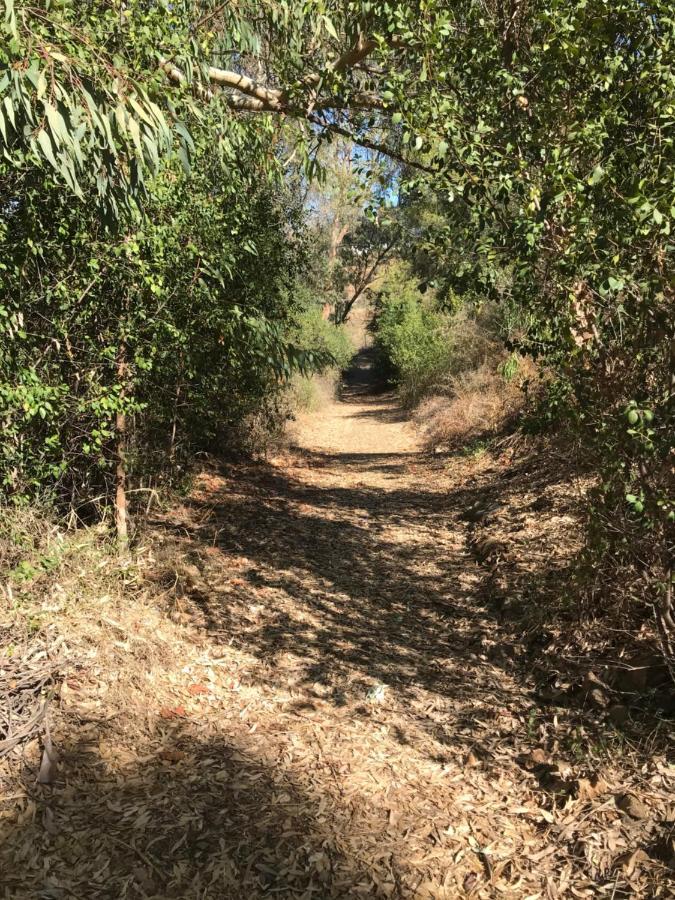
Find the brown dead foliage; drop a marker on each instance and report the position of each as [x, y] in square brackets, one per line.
[478, 404]
[303, 691]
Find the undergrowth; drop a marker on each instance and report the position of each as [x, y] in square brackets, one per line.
[315, 333]
[450, 366]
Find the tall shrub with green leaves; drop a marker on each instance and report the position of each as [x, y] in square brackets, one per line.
[412, 337]
[179, 321]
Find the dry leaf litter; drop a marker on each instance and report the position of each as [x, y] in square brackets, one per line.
[305, 690]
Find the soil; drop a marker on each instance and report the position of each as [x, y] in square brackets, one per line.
[312, 695]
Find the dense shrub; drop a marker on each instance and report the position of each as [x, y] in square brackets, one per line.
[427, 350]
[161, 323]
[412, 338]
[317, 335]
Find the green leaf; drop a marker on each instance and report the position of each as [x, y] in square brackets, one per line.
[9, 109]
[330, 28]
[57, 125]
[597, 175]
[41, 85]
[46, 147]
[184, 159]
[135, 133]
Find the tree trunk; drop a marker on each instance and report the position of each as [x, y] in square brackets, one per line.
[174, 426]
[121, 513]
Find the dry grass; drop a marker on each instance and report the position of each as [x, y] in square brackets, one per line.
[477, 404]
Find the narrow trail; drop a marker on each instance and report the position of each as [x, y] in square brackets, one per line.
[365, 420]
[371, 679]
[315, 701]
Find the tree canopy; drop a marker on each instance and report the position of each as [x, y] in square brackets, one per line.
[540, 133]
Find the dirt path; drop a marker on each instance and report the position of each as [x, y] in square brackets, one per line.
[364, 420]
[330, 711]
[357, 613]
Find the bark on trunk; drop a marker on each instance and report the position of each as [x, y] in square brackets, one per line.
[121, 512]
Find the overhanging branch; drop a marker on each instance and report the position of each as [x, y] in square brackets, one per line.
[367, 144]
[249, 96]
[261, 98]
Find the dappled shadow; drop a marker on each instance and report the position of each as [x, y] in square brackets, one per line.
[363, 380]
[385, 409]
[371, 727]
[357, 570]
[355, 584]
[351, 463]
[198, 818]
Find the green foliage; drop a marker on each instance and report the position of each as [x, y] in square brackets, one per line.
[330, 346]
[413, 338]
[76, 109]
[167, 319]
[318, 336]
[425, 348]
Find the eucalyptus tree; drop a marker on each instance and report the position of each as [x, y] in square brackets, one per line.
[544, 127]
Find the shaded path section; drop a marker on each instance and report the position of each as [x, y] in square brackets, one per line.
[322, 706]
[365, 420]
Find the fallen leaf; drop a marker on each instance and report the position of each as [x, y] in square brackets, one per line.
[470, 881]
[172, 712]
[171, 755]
[630, 860]
[588, 788]
[536, 757]
[471, 759]
[48, 765]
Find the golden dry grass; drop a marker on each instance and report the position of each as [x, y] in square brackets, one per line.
[477, 404]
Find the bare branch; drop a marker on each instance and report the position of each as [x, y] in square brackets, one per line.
[370, 145]
[276, 100]
[272, 97]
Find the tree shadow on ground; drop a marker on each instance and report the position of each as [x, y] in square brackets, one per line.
[198, 818]
[363, 380]
[356, 585]
[353, 586]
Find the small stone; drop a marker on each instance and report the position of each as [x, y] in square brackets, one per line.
[598, 698]
[619, 714]
[633, 807]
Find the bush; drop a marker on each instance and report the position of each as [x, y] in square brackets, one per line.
[178, 325]
[452, 365]
[319, 336]
[424, 349]
[411, 337]
[316, 335]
